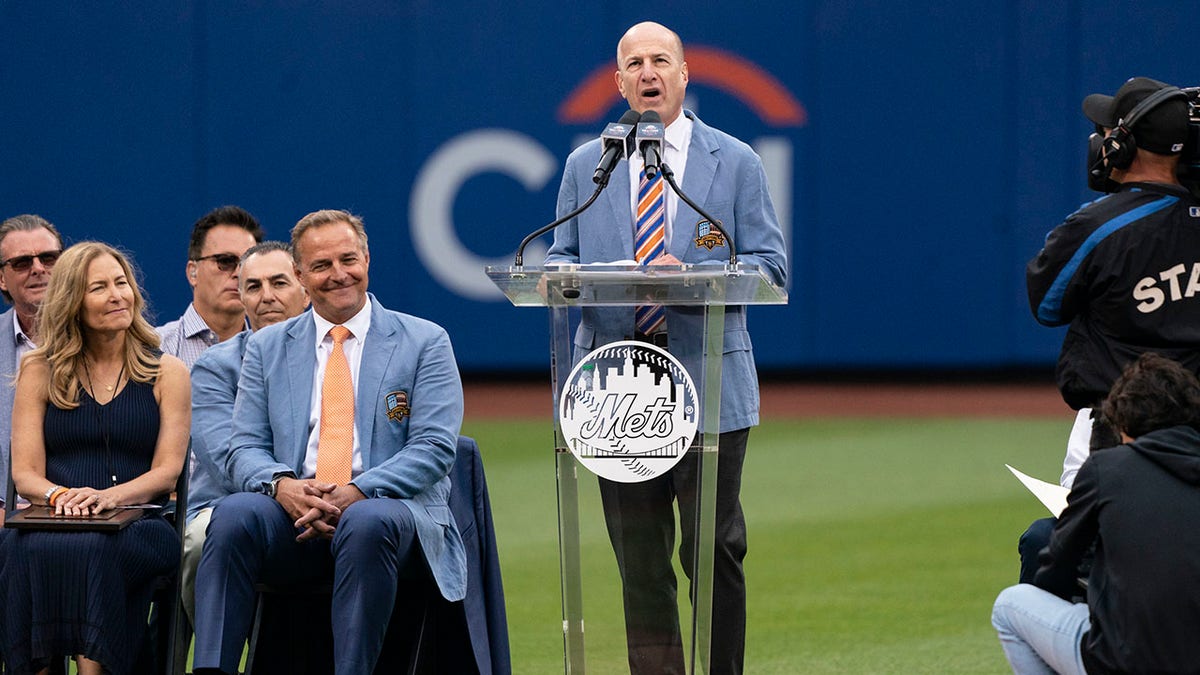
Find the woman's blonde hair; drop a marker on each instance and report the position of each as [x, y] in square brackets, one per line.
[61, 328]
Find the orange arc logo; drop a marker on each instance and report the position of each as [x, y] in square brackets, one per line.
[730, 73]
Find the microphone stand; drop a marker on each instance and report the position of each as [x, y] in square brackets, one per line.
[669, 175]
[519, 260]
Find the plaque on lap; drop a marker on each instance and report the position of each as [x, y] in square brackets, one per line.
[44, 518]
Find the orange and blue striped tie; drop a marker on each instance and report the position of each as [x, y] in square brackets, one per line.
[335, 445]
[649, 243]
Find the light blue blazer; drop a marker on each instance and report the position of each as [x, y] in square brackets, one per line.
[8, 385]
[406, 455]
[214, 389]
[726, 178]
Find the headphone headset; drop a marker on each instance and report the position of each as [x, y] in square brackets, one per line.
[1118, 149]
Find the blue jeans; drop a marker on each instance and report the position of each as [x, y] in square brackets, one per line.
[1040, 632]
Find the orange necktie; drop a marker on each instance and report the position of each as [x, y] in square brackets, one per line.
[335, 446]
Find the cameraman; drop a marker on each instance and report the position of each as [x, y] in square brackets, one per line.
[1123, 270]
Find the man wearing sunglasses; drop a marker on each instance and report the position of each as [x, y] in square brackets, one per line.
[29, 247]
[216, 313]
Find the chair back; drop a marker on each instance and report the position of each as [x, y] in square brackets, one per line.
[486, 618]
[178, 631]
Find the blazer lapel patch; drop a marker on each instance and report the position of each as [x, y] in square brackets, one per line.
[396, 403]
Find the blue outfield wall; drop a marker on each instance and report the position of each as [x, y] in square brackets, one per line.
[918, 152]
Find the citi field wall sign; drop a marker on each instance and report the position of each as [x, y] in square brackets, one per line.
[628, 411]
[449, 170]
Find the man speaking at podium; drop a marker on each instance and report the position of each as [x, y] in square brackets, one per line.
[726, 178]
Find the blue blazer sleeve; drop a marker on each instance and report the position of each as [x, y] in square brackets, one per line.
[759, 238]
[565, 248]
[251, 461]
[214, 390]
[8, 382]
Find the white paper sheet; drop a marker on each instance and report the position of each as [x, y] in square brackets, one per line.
[1052, 495]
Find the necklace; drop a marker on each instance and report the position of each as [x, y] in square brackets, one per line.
[102, 416]
[107, 388]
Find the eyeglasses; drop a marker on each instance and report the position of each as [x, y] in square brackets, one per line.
[226, 262]
[22, 263]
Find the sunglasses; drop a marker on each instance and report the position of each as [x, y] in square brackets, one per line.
[226, 262]
[22, 263]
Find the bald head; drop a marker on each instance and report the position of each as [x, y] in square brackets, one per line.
[651, 73]
[650, 29]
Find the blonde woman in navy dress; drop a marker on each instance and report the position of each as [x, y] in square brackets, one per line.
[100, 420]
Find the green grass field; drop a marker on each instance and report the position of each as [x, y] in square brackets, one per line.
[876, 546]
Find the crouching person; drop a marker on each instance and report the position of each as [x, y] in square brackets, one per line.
[1140, 503]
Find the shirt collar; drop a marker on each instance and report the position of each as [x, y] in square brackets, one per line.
[19, 336]
[192, 323]
[358, 324]
[678, 132]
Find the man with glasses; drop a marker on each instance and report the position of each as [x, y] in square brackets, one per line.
[345, 430]
[29, 247]
[216, 312]
[271, 293]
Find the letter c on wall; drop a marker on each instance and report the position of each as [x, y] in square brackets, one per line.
[431, 207]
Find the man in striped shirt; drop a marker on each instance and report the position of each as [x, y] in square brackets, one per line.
[216, 313]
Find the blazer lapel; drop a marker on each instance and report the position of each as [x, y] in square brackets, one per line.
[616, 198]
[702, 164]
[378, 349]
[301, 359]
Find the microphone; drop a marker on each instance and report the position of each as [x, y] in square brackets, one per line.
[650, 135]
[618, 143]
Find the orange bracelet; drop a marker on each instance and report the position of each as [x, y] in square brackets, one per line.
[54, 495]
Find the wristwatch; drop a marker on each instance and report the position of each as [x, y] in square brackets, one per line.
[273, 486]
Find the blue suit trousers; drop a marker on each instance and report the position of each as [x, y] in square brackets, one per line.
[251, 539]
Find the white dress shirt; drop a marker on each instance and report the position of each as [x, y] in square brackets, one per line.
[353, 348]
[24, 344]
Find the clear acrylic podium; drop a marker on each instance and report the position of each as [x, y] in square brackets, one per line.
[561, 288]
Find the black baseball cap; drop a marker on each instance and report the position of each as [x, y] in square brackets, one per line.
[1162, 130]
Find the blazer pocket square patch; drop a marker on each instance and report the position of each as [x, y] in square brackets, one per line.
[397, 406]
[708, 236]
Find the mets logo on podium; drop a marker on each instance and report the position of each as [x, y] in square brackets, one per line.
[628, 411]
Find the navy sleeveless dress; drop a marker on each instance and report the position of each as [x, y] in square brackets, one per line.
[88, 592]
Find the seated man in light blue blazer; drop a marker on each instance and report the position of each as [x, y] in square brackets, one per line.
[726, 178]
[389, 517]
[269, 290]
